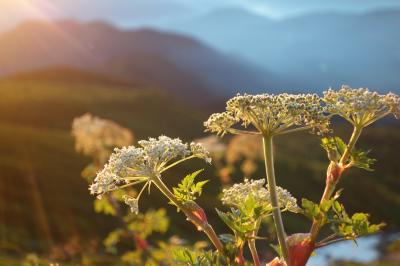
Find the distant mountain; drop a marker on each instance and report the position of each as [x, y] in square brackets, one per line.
[168, 61]
[315, 50]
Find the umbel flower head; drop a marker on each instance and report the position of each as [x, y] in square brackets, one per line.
[361, 107]
[237, 194]
[133, 165]
[270, 114]
[94, 135]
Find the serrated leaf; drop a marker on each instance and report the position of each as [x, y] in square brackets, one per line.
[187, 189]
[334, 147]
[361, 160]
[310, 209]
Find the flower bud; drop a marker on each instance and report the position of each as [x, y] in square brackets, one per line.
[194, 209]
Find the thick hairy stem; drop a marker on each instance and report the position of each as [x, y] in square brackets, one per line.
[202, 225]
[269, 168]
[252, 245]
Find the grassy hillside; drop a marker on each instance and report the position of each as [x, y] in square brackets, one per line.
[43, 200]
[42, 197]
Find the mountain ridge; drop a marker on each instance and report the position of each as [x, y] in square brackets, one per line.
[317, 50]
[180, 64]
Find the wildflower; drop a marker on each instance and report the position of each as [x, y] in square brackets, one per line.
[162, 150]
[220, 123]
[238, 193]
[268, 113]
[361, 107]
[133, 165]
[200, 151]
[93, 135]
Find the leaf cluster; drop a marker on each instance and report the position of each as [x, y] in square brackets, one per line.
[333, 212]
[185, 256]
[188, 189]
[335, 148]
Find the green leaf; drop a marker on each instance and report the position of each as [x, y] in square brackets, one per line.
[249, 205]
[310, 209]
[361, 160]
[187, 189]
[337, 207]
[277, 249]
[334, 146]
[326, 205]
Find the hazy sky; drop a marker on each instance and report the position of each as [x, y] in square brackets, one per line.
[133, 12]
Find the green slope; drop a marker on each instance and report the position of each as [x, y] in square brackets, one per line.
[42, 197]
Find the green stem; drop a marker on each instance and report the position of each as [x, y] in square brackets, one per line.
[331, 186]
[177, 162]
[206, 227]
[252, 245]
[352, 142]
[269, 168]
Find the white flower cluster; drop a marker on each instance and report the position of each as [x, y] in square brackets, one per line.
[94, 135]
[270, 113]
[220, 123]
[361, 106]
[238, 193]
[159, 152]
[141, 163]
[198, 150]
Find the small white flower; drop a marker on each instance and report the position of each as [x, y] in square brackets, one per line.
[238, 193]
[269, 113]
[200, 151]
[140, 164]
[361, 106]
[163, 149]
[220, 123]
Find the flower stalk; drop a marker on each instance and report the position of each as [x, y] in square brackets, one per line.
[334, 172]
[201, 224]
[276, 212]
[252, 244]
